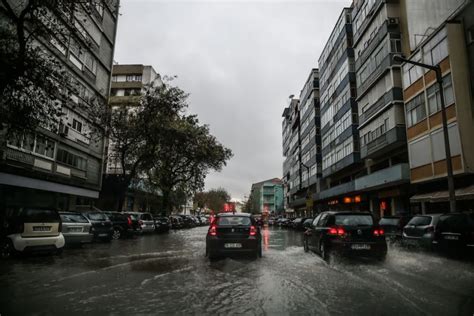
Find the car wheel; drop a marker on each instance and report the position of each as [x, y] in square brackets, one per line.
[259, 252]
[323, 251]
[305, 245]
[7, 250]
[117, 233]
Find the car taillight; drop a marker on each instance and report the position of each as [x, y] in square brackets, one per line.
[129, 221]
[379, 232]
[253, 231]
[213, 230]
[430, 229]
[336, 231]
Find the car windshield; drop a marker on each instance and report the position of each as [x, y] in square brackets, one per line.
[73, 218]
[39, 215]
[233, 220]
[353, 220]
[97, 217]
[390, 221]
[420, 221]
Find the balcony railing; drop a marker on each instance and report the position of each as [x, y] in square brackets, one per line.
[390, 176]
[384, 143]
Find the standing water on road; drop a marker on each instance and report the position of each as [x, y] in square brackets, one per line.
[169, 274]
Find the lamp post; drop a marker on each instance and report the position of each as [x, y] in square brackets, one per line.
[307, 180]
[449, 165]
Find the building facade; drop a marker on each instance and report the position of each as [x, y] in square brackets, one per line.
[341, 162]
[63, 170]
[446, 46]
[377, 38]
[268, 196]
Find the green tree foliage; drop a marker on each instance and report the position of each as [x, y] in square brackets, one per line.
[252, 205]
[213, 199]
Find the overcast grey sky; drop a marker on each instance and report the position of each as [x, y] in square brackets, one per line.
[239, 60]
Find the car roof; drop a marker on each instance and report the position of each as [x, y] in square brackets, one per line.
[346, 213]
[69, 212]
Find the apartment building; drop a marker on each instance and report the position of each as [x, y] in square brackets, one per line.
[376, 38]
[449, 46]
[339, 120]
[63, 170]
[128, 84]
[269, 196]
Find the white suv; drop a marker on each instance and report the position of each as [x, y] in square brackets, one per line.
[32, 230]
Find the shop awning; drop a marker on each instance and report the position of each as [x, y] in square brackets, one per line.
[466, 193]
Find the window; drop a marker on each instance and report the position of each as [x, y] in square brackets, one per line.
[33, 143]
[434, 98]
[70, 159]
[416, 110]
[77, 125]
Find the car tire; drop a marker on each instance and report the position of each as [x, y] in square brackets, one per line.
[324, 252]
[117, 234]
[259, 251]
[8, 250]
[305, 245]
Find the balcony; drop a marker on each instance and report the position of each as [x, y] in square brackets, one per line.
[384, 143]
[387, 177]
[342, 164]
[337, 190]
[394, 95]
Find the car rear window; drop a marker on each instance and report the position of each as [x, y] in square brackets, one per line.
[97, 216]
[146, 217]
[233, 220]
[453, 222]
[420, 221]
[353, 219]
[73, 218]
[38, 215]
[389, 221]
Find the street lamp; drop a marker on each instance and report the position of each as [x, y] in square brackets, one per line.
[449, 165]
[307, 180]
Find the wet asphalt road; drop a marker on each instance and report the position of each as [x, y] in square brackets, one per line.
[168, 274]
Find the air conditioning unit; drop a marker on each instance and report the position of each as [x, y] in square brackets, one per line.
[63, 130]
[393, 21]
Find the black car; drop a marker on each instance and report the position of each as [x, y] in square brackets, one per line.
[298, 223]
[345, 233]
[455, 232]
[162, 224]
[176, 222]
[188, 222]
[123, 225]
[102, 228]
[393, 226]
[231, 234]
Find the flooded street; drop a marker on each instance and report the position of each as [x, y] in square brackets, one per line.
[168, 274]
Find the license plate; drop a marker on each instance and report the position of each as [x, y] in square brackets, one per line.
[103, 235]
[234, 245]
[360, 247]
[75, 229]
[451, 237]
[41, 228]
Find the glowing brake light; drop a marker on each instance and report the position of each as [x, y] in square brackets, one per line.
[129, 221]
[379, 232]
[253, 231]
[336, 231]
[213, 230]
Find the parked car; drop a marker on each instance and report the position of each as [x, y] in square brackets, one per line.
[188, 222]
[283, 222]
[393, 226]
[271, 221]
[455, 232]
[298, 223]
[232, 234]
[204, 220]
[420, 231]
[123, 224]
[31, 230]
[176, 222]
[146, 222]
[102, 228]
[345, 233]
[162, 224]
[76, 228]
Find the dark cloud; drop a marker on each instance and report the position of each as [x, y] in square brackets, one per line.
[239, 61]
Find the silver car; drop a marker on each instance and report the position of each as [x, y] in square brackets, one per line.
[145, 221]
[76, 228]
